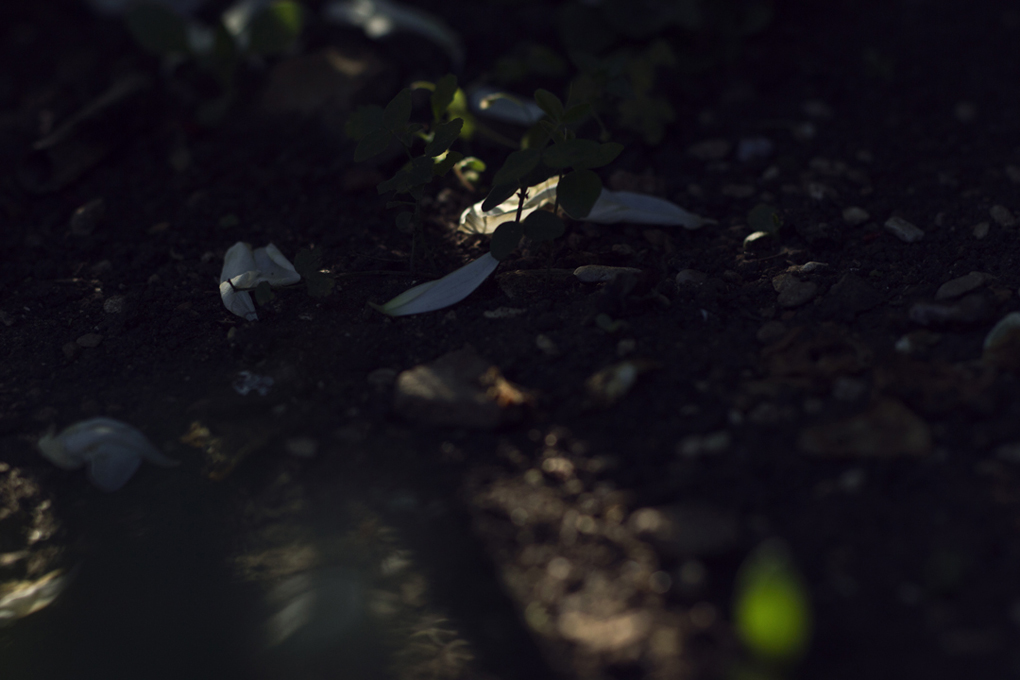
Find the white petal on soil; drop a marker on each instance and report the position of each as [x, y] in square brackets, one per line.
[627, 206]
[610, 208]
[274, 267]
[379, 18]
[443, 292]
[505, 107]
[238, 302]
[238, 259]
[474, 221]
[1008, 324]
[113, 450]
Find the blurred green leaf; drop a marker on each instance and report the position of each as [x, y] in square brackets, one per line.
[417, 172]
[445, 135]
[372, 144]
[648, 116]
[444, 166]
[542, 225]
[576, 114]
[498, 194]
[442, 96]
[505, 239]
[398, 111]
[157, 28]
[517, 164]
[581, 154]
[276, 28]
[365, 119]
[549, 103]
[578, 191]
[772, 611]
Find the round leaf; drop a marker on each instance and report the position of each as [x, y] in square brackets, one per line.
[398, 111]
[498, 194]
[517, 164]
[445, 135]
[542, 225]
[578, 191]
[372, 144]
[549, 103]
[505, 239]
[276, 28]
[442, 96]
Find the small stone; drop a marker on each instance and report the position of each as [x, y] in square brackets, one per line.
[980, 230]
[503, 313]
[792, 291]
[301, 447]
[690, 277]
[70, 350]
[804, 132]
[770, 332]
[114, 304]
[710, 150]
[967, 310]
[887, 429]
[754, 148]
[1013, 172]
[817, 109]
[86, 218]
[965, 111]
[459, 389]
[597, 273]
[89, 340]
[904, 230]
[855, 215]
[547, 345]
[961, 285]
[1002, 216]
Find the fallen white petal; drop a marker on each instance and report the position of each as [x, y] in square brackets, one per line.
[449, 290]
[238, 302]
[275, 268]
[113, 450]
[238, 259]
[627, 206]
[379, 18]
[244, 269]
[505, 107]
[610, 208]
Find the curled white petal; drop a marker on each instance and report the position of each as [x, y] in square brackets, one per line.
[610, 208]
[112, 449]
[379, 18]
[449, 290]
[238, 259]
[274, 267]
[238, 302]
[505, 107]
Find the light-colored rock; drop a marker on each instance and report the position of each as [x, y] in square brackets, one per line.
[961, 285]
[904, 230]
[598, 273]
[967, 310]
[690, 277]
[114, 304]
[89, 340]
[1002, 216]
[855, 215]
[980, 230]
[459, 389]
[792, 291]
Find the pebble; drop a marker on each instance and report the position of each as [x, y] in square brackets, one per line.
[980, 230]
[1013, 172]
[855, 215]
[754, 148]
[963, 284]
[710, 149]
[904, 230]
[503, 313]
[89, 340]
[85, 219]
[690, 277]
[770, 332]
[792, 291]
[459, 389]
[70, 350]
[1002, 216]
[114, 304]
[969, 309]
[301, 447]
[887, 429]
[598, 273]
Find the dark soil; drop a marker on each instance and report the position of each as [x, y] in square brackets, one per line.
[883, 452]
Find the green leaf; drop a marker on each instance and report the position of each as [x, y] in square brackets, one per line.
[442, 96]
[505, 239]
[581, 154]
[517, 164]
[365, 119]
[372, 144]
[576, 114]
[578, 191]
[764, 217]
[498, 194]
[445, 135]
[157, 28]
[772, 611]
[542, 225]
[444, 166]
[276, 28]
[417, 172]
[549, 103]
[398, 111]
